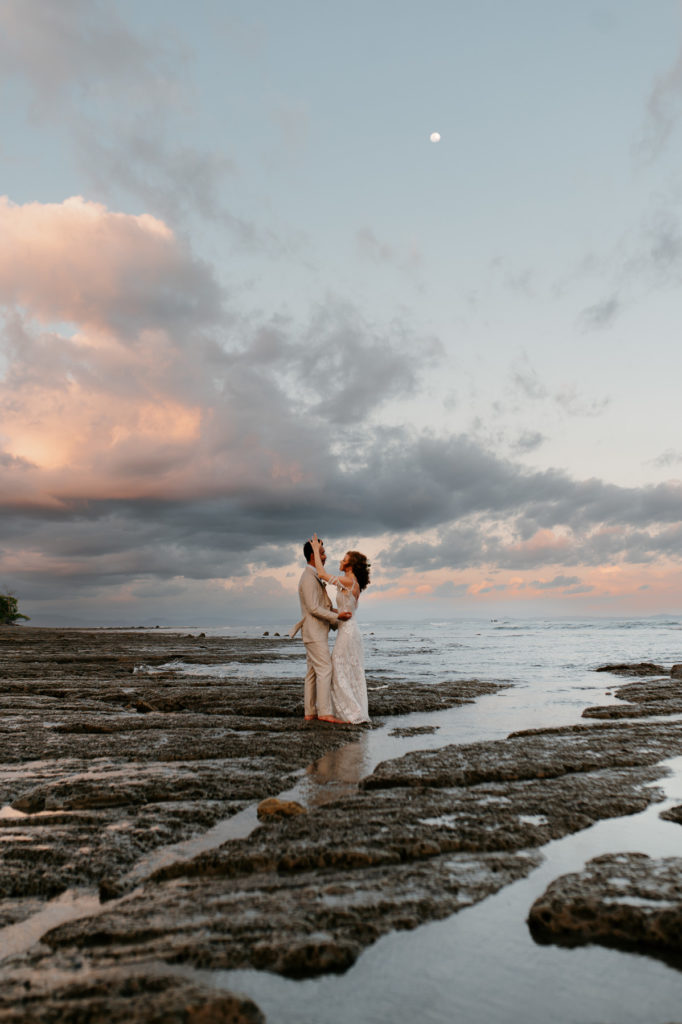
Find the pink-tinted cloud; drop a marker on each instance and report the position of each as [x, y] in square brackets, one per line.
[128, 380]
[79, 263]
[113, 408]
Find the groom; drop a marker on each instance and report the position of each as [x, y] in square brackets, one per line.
[319, 616]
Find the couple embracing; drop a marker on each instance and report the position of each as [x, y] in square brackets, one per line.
[335, 688]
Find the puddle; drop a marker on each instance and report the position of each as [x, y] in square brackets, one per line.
[69, 906]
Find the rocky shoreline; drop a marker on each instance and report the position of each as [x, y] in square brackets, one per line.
[110, 754]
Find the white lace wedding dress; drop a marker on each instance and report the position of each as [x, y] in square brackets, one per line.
[349, 689]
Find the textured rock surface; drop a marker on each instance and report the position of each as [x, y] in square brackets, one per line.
[101, 784]
[97, 781]
[673, 814]
[646, 698]
[534, 754]
[273, 809]
[108, 752]
[300, 922]
[117, 998]
[635, 668]
[624, 899]
[305, 895]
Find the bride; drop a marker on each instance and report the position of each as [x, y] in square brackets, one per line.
[349, 689]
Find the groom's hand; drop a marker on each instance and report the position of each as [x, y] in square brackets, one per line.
[344, 616]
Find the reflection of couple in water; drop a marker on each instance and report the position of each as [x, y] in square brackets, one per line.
[335, 688]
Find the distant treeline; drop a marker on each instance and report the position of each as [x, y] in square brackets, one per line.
[9, 610]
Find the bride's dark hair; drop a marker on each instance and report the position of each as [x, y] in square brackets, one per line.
[360, 566]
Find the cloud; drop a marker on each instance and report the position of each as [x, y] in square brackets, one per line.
[372, 248]
[158, 389]
[670, 457]
[175, 181]
[77, 262]
[450, 589]
[601, 314]
[73, 43]
[558, 581]
[368, 245]
[528, 441]
[570, 541]
[114, 94]
[150, 431]
[663, 109]
[526, 381]
[573, 403]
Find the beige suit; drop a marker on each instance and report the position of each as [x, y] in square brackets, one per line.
[318, 619]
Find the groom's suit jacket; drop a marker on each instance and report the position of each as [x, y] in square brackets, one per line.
[316, 609]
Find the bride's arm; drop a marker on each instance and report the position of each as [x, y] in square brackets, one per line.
[345, 581]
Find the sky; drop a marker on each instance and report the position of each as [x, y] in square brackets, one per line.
[244, 297]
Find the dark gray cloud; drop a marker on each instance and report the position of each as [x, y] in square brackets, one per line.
[401, 482]
[586, 538]
[340, 367]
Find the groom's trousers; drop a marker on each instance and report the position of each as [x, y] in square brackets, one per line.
[318, 679]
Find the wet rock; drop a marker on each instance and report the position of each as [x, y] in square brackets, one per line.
[319, 954]
[639, 668]
[75, 728]
[31, 803]
[532, 754]
[644, 699]
[273, 809]
[300, 924]
[426, 835]
[625, 900]
[306, 894]
[403, 698]
[414, 730]
[118, 998]
[676, 672]
[673, 814]
[118, 784]
[143, 706]
[111, 889]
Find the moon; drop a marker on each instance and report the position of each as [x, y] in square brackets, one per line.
[434, 137]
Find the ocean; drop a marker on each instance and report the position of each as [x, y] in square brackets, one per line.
[549, 663]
